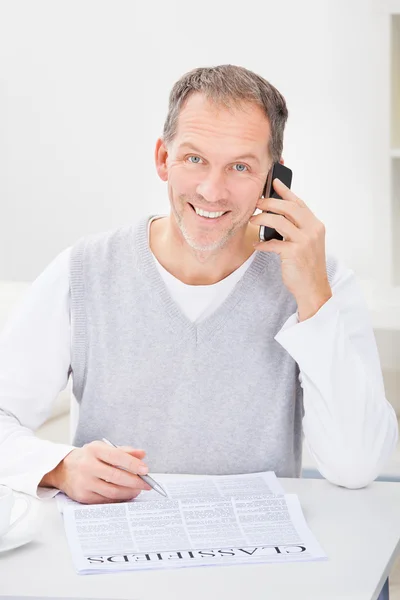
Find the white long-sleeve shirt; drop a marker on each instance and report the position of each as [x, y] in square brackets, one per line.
[344, 397]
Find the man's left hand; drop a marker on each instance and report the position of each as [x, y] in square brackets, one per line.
[302, 251]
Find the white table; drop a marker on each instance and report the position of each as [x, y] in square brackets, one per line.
[358, 529]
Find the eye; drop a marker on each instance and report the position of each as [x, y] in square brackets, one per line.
[199, 159]
[242, 165]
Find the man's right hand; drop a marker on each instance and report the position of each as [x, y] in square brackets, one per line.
[91, 475]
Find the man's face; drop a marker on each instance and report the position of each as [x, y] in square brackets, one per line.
[210, 168]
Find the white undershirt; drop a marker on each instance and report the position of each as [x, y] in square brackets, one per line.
[199, 301]
[35, 348]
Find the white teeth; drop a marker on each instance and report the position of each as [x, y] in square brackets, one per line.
[209, 215]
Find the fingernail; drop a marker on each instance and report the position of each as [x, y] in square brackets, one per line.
[143, 470]
[277, 179]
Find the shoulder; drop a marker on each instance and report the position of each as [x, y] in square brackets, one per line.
[92, 241]
[110, 242]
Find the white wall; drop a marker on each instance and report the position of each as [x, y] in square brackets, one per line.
[83, 96]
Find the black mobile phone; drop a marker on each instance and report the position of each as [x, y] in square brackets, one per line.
[285, 175]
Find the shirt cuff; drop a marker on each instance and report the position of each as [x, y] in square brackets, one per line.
[56, 458]
[27, 481]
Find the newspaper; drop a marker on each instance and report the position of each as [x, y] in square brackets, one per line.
[222, 520]
[202, 486]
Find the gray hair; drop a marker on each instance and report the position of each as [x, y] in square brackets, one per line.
[228, 86]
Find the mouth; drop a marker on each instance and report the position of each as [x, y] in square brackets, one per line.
[206, 216]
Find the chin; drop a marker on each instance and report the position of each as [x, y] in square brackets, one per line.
[204, 244]
[212, 247]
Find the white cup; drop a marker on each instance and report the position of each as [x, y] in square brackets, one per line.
[7, 500]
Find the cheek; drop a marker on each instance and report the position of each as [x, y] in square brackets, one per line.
[246, 193]
[247, 196]
[180, 180]
[247, 210]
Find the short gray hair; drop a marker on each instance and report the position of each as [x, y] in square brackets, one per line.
[227, 86]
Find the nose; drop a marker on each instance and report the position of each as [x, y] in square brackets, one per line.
[212, 188]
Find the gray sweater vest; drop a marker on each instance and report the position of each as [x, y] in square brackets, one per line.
[216, 397]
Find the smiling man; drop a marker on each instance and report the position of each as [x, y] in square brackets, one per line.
[187, 337]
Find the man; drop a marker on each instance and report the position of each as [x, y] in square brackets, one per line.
[187, 337]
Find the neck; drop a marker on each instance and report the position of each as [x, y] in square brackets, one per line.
[198, 268]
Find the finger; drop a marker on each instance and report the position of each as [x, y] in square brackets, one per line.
[93, 498]
[285, 192]
[139, 453]
[119, 458]
[117, 476]
[282, 225]
[293, 212]
[116, 493]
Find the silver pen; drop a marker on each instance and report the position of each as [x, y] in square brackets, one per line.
[146, 478]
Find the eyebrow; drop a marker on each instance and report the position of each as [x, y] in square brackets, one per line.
[243, 156]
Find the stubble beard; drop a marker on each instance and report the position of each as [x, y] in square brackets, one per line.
[204, 251]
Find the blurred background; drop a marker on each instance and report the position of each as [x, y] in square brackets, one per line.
[84, 90]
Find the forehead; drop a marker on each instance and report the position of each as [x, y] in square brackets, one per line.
[243, 127]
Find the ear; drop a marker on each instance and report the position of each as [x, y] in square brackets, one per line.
[160, 156]
[282, 161]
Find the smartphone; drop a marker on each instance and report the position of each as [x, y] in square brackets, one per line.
[285, 175]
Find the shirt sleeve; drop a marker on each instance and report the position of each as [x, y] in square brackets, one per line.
[34, 368]
[350, 428]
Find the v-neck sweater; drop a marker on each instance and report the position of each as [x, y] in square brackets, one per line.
[216, 396]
